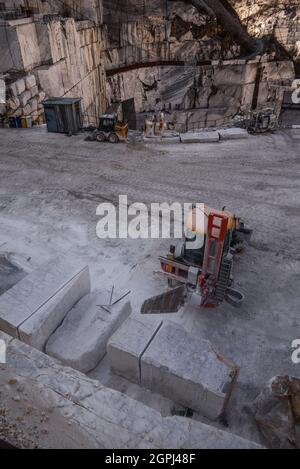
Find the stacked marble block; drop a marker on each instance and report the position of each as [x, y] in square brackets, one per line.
[214, 136]
[167, 360]
[26, 99]
[53, 310]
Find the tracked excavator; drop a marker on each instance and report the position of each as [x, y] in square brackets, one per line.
[202, 277]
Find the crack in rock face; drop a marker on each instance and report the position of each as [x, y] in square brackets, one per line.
[180, 28]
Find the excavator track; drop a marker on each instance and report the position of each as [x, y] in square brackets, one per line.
[223, 280]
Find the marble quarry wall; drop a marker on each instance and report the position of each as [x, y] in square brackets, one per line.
[266, 17]
[44, 57]
[96, 49]
[90, 9]
[203, 96]
[139, 31]
[210, 86]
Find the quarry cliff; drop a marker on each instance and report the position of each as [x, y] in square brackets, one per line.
[203, 61]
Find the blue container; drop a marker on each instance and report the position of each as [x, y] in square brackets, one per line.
[19, 122]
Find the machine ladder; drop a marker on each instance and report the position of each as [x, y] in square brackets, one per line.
[216, 234]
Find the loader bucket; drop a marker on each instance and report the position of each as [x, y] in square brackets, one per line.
[169, 302]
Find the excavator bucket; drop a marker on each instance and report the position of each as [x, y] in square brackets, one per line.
[169, 302]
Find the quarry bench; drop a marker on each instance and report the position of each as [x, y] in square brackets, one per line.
[54, 310]
[73, 411]
[164, 358]
[33, 308]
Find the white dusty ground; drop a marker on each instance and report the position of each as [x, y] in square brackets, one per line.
[50, 186]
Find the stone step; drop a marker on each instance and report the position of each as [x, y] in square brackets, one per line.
[126, 347]
[33, 308]
[167, 360]
[187, 368]
[37, 329]
[72, 411]
[81, 340]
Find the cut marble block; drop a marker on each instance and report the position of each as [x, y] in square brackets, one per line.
[37, 329]
[233, 134]
[81, 340]
[36, 298]
[5, 338]
[73, 411]
[4, 341]
[159, 140]
[127, 345]
[200, 137]
[187, 370]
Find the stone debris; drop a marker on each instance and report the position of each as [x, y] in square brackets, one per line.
[81, 340]
[62, 408]
[277, 411]
[167, 360]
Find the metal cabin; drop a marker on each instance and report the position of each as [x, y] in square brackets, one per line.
[63, 115]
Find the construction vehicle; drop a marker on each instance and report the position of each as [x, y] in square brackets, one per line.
[203, 276]
[262, 121]
[110, 130]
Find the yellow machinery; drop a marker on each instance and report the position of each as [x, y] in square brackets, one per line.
[110, 130]
[203, 271]
[261, 121]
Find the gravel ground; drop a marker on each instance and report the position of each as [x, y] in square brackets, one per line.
[51, 185]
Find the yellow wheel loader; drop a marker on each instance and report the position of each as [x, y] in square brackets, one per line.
[110, 130]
